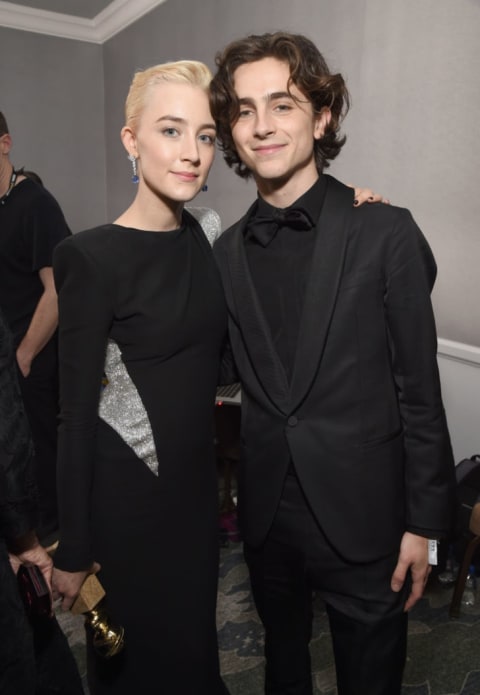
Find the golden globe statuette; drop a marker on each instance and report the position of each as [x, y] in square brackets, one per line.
[108, 639]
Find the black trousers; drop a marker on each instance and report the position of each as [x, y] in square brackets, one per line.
[40, 398]
[367, 621]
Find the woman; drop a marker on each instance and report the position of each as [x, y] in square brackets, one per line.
[141, 300]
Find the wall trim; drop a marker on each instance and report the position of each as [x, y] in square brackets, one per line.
[118, 15]
[459, 367]
[460, 352]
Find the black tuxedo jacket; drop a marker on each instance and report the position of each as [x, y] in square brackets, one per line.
[362, 419]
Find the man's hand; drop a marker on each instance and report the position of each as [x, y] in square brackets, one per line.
[28, 551]
[414, 557]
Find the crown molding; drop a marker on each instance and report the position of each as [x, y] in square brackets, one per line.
[118, 15]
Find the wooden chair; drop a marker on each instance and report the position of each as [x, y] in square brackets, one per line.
[471, 546]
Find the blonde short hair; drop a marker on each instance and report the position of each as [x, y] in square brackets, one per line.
[182, 71]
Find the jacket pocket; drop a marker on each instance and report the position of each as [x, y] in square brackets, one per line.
[381, 441]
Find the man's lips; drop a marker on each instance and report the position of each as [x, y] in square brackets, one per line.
[268, 149]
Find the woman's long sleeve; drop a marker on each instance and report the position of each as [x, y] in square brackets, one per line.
[85, 316]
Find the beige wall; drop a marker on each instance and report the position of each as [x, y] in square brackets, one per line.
[413, 130]
[51, 92]
[412, 67]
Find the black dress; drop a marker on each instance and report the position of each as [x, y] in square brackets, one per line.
[137, 475]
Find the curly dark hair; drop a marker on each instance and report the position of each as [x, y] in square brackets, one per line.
[308, 72]
[3, 125]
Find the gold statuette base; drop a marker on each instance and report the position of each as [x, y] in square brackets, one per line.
[91, 593]
[108, 639]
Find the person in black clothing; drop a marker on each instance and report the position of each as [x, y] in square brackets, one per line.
[141, 300]
[32, 175]
[346, 466]
[35, 658]
[32, 224]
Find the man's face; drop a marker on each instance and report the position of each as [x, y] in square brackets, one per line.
[274, 134]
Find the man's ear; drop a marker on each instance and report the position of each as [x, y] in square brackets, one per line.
[5, 144]
[129, 140]
[321, 121]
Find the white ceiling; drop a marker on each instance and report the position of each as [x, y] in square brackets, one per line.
[84, 20]
[79, 8]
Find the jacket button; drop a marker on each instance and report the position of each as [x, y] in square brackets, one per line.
[292, 421]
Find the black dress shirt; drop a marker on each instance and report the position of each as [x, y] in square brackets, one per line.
[280, 270]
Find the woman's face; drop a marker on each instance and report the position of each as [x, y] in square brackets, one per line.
[175, 141]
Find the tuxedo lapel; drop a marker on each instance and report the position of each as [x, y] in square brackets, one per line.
[322, 287]
[254, 327]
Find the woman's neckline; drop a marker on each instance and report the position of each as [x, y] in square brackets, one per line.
[159, 232]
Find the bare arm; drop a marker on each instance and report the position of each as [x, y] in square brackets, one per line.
[43, 324]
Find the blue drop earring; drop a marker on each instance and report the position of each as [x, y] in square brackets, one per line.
[133, 159]
[204, 188]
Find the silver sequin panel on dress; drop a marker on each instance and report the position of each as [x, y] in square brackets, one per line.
[210, 222]
[121, 407]
[120, 404]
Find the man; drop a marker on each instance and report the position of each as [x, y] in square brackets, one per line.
[346, 467]
[32, 224]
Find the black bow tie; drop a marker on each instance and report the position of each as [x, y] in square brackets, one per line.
[264, 227]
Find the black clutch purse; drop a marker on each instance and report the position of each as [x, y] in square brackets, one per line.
[35, 593]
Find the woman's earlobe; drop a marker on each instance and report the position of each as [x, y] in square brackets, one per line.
[128, 139]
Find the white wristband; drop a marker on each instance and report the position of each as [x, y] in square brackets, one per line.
[432, 552]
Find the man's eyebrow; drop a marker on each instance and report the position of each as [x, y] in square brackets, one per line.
[279, 95]
[268, 97]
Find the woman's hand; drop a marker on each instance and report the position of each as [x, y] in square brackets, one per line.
[67, 585]
[366, 195]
